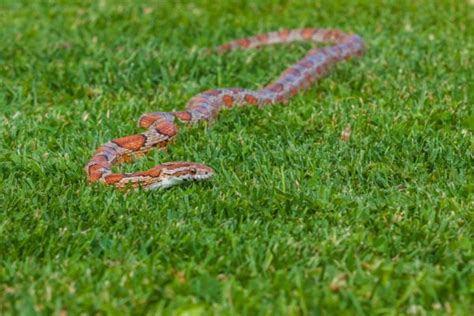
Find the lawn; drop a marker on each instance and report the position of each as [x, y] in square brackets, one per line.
[296, 220]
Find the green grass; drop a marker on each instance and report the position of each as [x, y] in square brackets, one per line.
[296, 221]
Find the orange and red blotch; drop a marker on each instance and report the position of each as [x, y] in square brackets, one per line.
[250, 99]
[228, 100]
[334, 36]
[153, 172]
[148, 119]
[244, 43]
[225, 47]
[166, 128]
[133, 142]
[113, 178]
[184, 116]
[94, 172]
[284, 35]
[308, 33]
[263, 38]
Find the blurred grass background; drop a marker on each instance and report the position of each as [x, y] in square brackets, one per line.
[296, 221]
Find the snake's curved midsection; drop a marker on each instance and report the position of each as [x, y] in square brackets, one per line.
[161, 126]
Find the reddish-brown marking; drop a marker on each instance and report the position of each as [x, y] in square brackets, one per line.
[308, 33]
[284, 35]
[250, 99]
[225, 47]
[263, 38]
[166, 128]
[113, 178]
[184, 116]
[339, 36]
[148, 119]
[228, 100]
[333, 36]
[153, 172]
[94, 172]
[133, 142]
[131, 156]
[327, 36]
[244, 42]
[162, 144]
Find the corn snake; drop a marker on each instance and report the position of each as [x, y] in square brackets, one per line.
[205, 106]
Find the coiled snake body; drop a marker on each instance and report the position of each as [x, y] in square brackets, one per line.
[161, 127]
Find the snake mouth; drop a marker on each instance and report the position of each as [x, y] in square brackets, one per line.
[201, 174]
[202, 177]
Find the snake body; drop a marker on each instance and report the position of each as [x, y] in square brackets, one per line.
[161, 126]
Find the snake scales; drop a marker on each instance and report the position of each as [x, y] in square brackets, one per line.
[161, 127]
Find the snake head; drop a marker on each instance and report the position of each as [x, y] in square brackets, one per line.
[174, 173]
